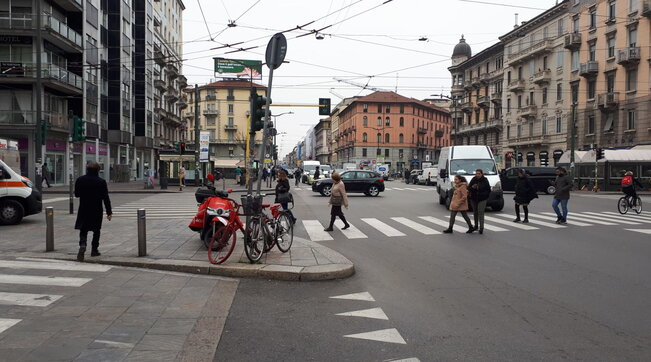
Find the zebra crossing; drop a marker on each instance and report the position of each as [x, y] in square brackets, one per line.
[496, 222]
[308, 188]
[168, 207]
[45, 278]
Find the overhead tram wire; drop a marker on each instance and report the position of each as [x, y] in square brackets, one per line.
[204, 19]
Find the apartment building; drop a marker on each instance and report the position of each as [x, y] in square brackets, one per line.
[385, 127]
[476, 107]
[536, 103]
[609, 41]
[224, 110]
[322, 136]
[334, 124]
[96, 65]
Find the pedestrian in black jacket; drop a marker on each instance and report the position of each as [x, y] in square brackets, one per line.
[282, 187]
[480, 190]
[524, 193]
[92, 192]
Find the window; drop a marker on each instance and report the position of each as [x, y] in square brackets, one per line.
[365, 121]
[575, 24]
[231, 109]
[231, 93]
[412, 138]
[631, 80]
[591, 124]
[388, 109]
[532, 67]
[543, 127]
[379, 121]
[520, 73]
[402, 121]
[519, 131]
[612, 10]
[544, 95]
[364, 137]
[575, 92]
[531, 100]
[508, 132]
[592, 52]
[559, 124]
[365, 108]
[401, 138]
[508, 76]
[610, 82]
[402, 108]
[575, 60]
[559, 59]
[592, 88]
[611, 47]
[508, 105]
[387, 122]
[386, 152]
[593, 18]
[545, 65]
[519, 102]
[632, 6]
[531, 124]
[387, 138]
[379, 108]
[364, 152]
[401, 153]
[378, 152]
[561, 26]
[632, 38]
[630, 124]
[559, 91]
[379, 138]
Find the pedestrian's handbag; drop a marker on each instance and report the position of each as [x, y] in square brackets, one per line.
[336, 200]
[284, 197]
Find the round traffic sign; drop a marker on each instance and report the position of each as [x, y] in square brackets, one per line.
[276, 51]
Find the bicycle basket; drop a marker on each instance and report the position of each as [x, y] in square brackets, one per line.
[251, 205]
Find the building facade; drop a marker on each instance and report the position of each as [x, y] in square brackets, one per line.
[322, 136]
[97, 64]
[387, 128]
[334, 124]
[476, 107]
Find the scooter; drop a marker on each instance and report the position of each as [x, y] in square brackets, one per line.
[213, 204]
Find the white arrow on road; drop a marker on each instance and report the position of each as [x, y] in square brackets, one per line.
[390, 335]
[374, 313]
[365, 296]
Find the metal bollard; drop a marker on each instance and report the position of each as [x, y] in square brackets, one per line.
[49, 233]
[142, 233]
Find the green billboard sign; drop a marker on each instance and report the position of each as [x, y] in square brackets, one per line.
[238, 68]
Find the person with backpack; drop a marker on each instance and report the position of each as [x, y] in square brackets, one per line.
[525, 191]
[628, 186]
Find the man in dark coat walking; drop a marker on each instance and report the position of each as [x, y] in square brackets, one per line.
[91, 191]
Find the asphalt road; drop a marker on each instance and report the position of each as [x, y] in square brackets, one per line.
[546, 293]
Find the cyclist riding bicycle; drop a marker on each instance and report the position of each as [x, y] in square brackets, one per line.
[628, 186]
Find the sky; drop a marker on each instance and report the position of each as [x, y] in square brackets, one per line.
[402, 45]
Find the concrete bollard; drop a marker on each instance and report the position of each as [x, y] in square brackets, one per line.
[49, 233]
[142, 233]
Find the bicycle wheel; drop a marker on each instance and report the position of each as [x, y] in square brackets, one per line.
[270, 232]
[638, 205]
[622, 205]
[284, 232]
[221, 245]
[254, 244]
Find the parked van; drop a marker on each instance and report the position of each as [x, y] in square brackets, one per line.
[18, 197]
[541, 177]
[428, 177]
[464, 160]
[308, 169]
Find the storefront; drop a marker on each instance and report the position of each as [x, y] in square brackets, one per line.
[55, 161]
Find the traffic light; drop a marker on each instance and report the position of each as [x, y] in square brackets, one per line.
[600, 153]
[259, 113]
[275, 152]
[176, 147]
[182, 148]
[324, 106]
[45, 126]
[78, 132]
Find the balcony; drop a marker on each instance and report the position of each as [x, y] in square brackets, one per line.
[183, 81]
[422, 130]
[160, 85]
[211, 97]
[541, 140]
[542, 77]
[457, 88]
[484, 78]
[210, 112]
[422, 145]
[629, 56]
[475, 82]
[589, 69]
[608, 100]
[92, 130]
[516, 85]
[230, 127]
[530, 111]
[467, 85]
[496, 97]
[126, 107]
[143, 142]
[52, 76]
[183, 104]
[159, 57]
[573, 41]
[70, 5]
[542, 47]
[172, 94]
[172, 70]
[646, 8]
[118, 136]
[467, 107]
[439, 133]
[483, 101]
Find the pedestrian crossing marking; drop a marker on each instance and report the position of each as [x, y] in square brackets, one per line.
[413, 359]
[542, 223]
[587, 215]
[363, 296]
[631, 215]
[373, 313]
[6, 323]
[315, 230]
[42, 280]
[624, 217]
[553, 218]
[459, 227]
[510, 223]
[594, 221]
[390, 335]
[416, 226]
[643, 231]
[27, 299]
[48, 265]
[382, 227]
[352, 232]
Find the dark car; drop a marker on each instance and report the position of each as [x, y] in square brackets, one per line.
[540, 176]
[368, 182]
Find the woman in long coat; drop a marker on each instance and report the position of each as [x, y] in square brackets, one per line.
[459, 203]
[525, 191]
[92, 192]
[338, 198]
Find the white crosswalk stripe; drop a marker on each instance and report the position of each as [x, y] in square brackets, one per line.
[553, 218]
[594, 221]
[533, 221]
[643, 231]
[630, 217]
[604, 218]
[459, 227]
[510, 223]
[352, 232]
[416, 226]
[382, 227]
[315, 230]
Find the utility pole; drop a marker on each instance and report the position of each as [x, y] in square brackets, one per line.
[572, 140]
[39, 139]
[196, 136]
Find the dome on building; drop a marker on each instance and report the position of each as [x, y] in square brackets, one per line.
[462, 49]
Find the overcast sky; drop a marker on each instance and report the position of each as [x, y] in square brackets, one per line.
[379, 47]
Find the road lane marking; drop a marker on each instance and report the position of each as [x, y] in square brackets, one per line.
[115, 344]
[458, 227]
[48, 265]
[643, 231]
[7, 323]
[623, 217]
[416, 226]
[607, 218]
[27, 299]
[373, 313]
[510, 223]
[413, 359]
[390, 335]
[55, 199]
[399, 189]
[352, 232]
[553, 218]
[382, 227]
[364, 296]
[542, 223]
[315, 230]
[423, 189]
[600, 222]
[40, 280]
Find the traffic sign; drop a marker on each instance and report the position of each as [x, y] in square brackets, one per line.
[276, 51]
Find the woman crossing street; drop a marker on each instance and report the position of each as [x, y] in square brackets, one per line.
[338, 198]
[459, 203]
[525, 191]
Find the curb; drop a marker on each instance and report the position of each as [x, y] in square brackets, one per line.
[66, 192]
[238, 270]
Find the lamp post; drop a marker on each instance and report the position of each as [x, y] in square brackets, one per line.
[274, 146]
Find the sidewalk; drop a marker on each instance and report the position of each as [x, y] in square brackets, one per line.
[172, 246]
[138, 187]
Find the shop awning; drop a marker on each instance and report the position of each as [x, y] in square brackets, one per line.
[185, 158]
[228, 162]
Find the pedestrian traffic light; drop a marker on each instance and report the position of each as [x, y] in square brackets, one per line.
[275, 152]
[260, 112]
[176, 147]
[324, 106]
[78, 132]
[45, 126]
[182, 148]
[600, 153]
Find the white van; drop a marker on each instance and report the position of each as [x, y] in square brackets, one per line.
[308, 169]
[18, 197]
[463, 161]
[429, 176]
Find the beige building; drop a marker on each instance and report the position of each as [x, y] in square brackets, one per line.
[334, 124]
[610, 43]
[224, 110]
